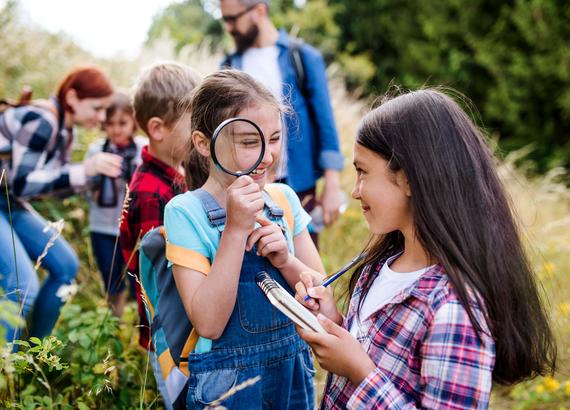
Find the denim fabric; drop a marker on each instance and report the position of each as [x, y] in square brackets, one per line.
[312, 144]
[104, 246]
[257, 341]
[29, 242]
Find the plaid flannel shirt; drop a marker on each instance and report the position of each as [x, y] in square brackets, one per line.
[426, 351]
[40, 151]
[153, 184]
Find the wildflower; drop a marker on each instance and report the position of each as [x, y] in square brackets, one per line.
[66, 292]
[564, 308]
[548, 269]
[567, 389]
[77, 213]
[539, 389]
[551, 384]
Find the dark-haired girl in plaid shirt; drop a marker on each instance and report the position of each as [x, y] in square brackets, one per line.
[444, 303]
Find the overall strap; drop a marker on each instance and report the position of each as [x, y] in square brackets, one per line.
[216, 214]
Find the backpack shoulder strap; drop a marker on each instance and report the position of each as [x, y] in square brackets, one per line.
[296, 58]
[279, 197]
[227, 62]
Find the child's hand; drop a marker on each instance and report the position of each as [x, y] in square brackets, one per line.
[321, 298]
[103, 163]
[244, 202]
[271, 242]
[338, 351]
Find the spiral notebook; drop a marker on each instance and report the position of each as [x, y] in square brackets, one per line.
[287, 304]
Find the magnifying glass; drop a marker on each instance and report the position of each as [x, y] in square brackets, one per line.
[237, 146]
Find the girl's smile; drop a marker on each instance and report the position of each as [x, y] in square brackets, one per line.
[258, 174]
[243, 156]
[383, 193]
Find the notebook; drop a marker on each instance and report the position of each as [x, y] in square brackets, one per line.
[287, 304]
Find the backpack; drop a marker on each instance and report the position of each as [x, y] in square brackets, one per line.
[174, 340]
[24, 99]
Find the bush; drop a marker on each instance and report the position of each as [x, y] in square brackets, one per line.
[91, 362]
[511, 58]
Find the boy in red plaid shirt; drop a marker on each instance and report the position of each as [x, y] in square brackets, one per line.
[161, 101]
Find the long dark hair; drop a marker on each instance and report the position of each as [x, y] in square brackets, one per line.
[464, 220]
[220, 96]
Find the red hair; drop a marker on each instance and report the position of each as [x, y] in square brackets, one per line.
[88, 82]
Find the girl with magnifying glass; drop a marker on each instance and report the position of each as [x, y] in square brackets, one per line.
[225, 231]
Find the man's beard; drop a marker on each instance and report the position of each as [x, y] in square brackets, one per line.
[245, 41]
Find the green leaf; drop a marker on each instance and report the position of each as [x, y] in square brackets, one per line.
[35, 340]
[82, 406]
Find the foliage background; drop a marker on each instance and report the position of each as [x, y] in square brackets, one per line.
[510, 57]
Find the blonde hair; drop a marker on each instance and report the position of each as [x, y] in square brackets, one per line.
[163, 90]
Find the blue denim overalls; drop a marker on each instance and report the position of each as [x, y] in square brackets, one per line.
[257, 341]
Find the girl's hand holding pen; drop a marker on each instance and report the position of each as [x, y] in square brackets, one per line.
[339, 273]
[321, 299]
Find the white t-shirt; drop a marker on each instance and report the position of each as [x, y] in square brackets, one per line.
[386, 285]
[262, 64]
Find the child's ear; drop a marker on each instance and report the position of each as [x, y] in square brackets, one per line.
[201, 143]
[402, 181]
[71, 97]
[156, 128]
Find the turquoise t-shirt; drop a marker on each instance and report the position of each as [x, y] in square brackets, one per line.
[192, 242]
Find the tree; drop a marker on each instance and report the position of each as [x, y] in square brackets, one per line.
[511, 58]
[187, 22]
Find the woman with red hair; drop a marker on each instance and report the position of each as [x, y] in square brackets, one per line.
[37, 138]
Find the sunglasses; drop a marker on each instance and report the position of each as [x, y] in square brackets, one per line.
[233, 18]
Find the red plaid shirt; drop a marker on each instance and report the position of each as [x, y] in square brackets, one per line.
[426, 351]
[154, 183]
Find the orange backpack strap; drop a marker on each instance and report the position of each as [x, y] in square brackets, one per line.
[281, 199]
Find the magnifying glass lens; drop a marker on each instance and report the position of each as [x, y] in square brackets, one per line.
[238, 147]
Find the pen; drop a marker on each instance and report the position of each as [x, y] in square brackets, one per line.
[341, 272]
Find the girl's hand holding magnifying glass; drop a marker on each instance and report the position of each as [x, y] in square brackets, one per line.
[244, 202]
